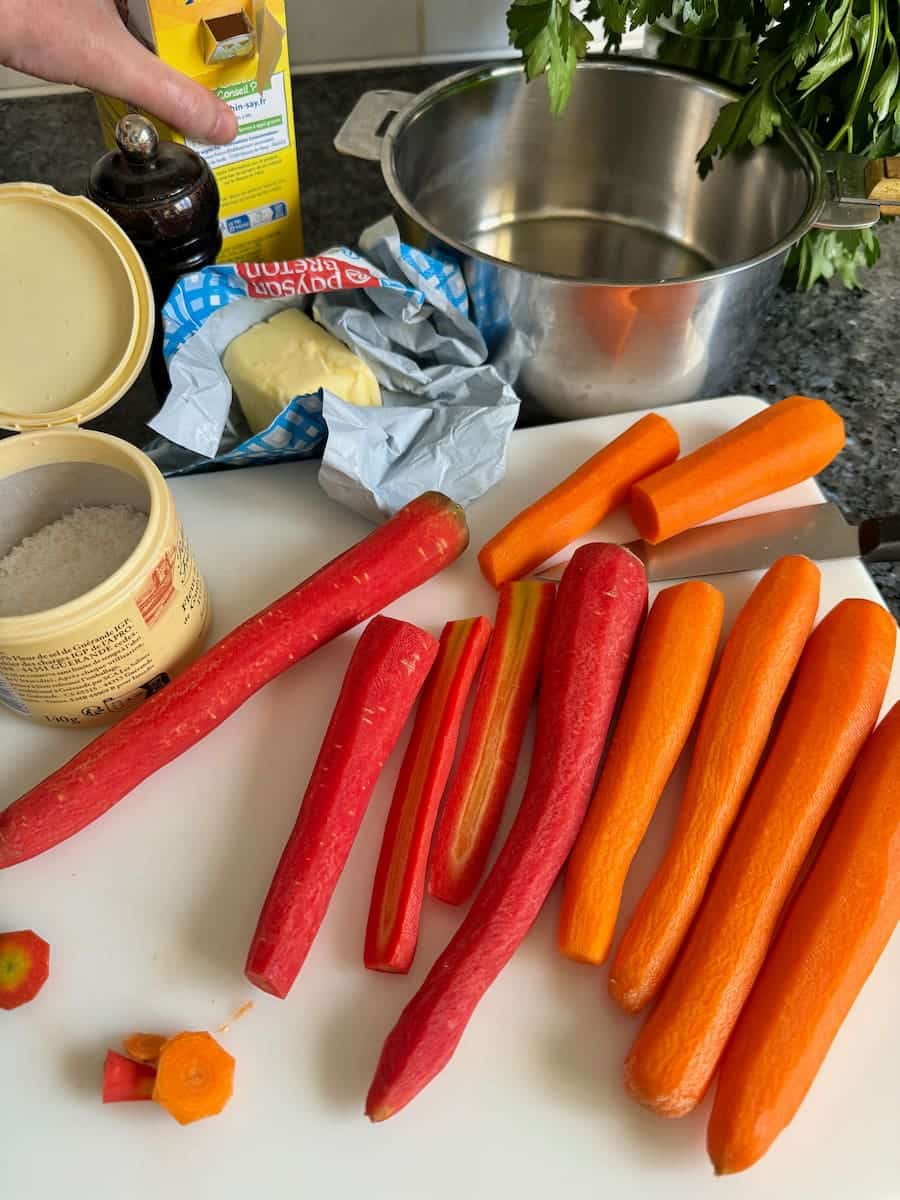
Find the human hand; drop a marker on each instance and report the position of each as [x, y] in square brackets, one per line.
[85, 42]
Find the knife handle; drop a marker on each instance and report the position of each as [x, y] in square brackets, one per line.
[879, 539]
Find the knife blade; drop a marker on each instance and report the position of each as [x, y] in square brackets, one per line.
[820, 531]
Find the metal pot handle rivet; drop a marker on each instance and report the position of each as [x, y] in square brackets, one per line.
[362, 133]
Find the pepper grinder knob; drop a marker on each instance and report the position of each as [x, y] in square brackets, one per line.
[137, 138]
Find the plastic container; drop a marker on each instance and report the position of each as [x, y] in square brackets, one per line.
[86, 661]
[76, 309]
[76, 324]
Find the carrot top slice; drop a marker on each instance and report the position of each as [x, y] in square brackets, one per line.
[144, 1047]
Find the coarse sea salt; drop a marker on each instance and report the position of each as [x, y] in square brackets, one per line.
[68, 557]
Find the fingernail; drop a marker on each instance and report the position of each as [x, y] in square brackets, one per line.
[225, 127]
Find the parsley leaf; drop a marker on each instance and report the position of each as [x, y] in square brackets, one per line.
[551, 39]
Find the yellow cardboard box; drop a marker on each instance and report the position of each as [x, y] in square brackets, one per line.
[257, 174]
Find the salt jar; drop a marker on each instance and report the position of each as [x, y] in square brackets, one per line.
[92, 657]
[75, 329]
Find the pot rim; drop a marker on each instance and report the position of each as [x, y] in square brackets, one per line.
[799, 144]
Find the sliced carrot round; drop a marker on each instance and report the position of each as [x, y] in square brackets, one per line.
[144, 1047]
[24, 967]
[194, 1078]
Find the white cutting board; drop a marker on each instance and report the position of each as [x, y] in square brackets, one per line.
[150, 911]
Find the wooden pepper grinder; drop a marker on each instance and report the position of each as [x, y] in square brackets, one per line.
[164, 196]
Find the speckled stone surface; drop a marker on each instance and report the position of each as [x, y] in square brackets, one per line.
[831, 343]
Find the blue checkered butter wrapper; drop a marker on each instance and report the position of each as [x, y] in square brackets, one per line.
[446, 415]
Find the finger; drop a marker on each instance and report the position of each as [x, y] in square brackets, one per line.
[137, 76]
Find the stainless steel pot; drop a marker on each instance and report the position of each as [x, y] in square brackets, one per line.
[607, 274]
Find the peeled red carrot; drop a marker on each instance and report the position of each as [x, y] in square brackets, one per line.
[599, 607]
[392, 932]
[832, 707]
[194, 1077]
[144, 1047]
[785, 444]
[671, 667]
[756, 666]
[384, 676]
[580, 502]
[425, 536]
[477, 792]
[24, 967]
[836, 927]
[124, 1079]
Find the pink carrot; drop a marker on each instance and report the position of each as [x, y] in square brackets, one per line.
[386, 671]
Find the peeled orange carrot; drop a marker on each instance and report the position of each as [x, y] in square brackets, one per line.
[756, 666]
[833, 704]
[671, 668]
[839, 922]
[144, 1047]
[785, 444]
[580, 502]
[194, 1077]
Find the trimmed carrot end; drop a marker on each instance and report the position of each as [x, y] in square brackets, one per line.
[266, 984]
[24, 967]
[126, 1080]
[489, 567]
[577, 942]
[670, 1103]
[391, 961]
[630, 1000]
[449, 890]
[644, 516]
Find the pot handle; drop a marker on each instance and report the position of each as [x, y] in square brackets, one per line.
[859, 191]
[362, 133]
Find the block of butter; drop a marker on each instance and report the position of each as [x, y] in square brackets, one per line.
[290, 355]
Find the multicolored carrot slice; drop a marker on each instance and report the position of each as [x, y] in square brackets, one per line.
[393, 927]
[477, 793]
[24, 967]
[125, 1079]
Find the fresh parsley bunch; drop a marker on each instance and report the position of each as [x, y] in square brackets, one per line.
[831, 66]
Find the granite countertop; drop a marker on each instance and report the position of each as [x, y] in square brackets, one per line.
[840, 345]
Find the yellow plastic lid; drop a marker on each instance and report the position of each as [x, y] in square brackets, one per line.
[76, 309]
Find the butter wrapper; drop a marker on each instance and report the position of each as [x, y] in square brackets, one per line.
[446, 415]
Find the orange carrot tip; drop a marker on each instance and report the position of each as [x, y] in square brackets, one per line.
[144, 1047]
[580, 502]
[24, 967]
[194, 1078]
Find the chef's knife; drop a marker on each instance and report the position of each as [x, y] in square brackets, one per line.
[820, 531]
